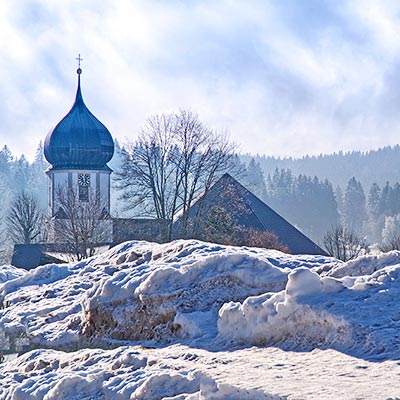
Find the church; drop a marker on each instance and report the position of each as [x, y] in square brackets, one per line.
[78, 149]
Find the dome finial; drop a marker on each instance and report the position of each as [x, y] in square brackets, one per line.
[78, 98]
[79, 140]
[79, 59]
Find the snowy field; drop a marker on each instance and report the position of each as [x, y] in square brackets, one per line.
[193, 320]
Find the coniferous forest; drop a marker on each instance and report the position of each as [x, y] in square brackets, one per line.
[359, 191]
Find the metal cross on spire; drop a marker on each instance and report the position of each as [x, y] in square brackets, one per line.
[79, 59]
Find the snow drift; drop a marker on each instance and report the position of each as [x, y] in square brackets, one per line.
[136, 290]
[156, 291]
[191, 292]
[357, 313]
[8, 272]
[190, 289]
[283, 319]
[118, 374]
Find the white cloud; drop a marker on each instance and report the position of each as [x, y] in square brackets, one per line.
[282, 78]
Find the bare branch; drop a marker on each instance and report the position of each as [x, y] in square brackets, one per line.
[174, 160]
[80, 223]
[344, 244]
[25, 219]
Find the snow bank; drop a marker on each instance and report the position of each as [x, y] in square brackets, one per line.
[195, 290]
[350, 314]
[8, 272]
[365, 265]
[205, 295]
[178, 282]
[281, 318]
[138, 290]
[119, 374]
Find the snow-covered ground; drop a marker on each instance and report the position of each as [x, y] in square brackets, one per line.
[193, 320]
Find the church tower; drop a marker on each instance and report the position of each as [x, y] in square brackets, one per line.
[78, 149]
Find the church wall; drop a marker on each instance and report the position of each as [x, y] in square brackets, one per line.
[67, 180]
[103, 233]
[105, 190]
[138, 229]
[58, 180]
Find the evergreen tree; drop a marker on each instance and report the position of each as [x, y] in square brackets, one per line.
[280, 189]
[7, 182]
[384, 205]
[22, 174]
[340, 203]
[305, 202]
[117, 207]
[39, 181]
[6, 157]
[237, 169]
[375, 220]
[374, 200]
[394, 199]
[6, 162]
[329, 207]
[254, 180]
[355, 213]
[391, 233]
[315, 206]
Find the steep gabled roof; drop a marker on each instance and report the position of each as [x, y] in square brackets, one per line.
[228, 193]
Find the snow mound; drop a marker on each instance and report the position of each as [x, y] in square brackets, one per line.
[196, 291]
[138, 290]
[365, 265]
[184, 307]
[119, 374]
[281, 318]
[9, 272]
[156, 298]
[357, 314]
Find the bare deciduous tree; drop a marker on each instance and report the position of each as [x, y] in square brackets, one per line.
[80, 224]
[344, 244]
[25, 219]
[203, 155]
[175, 159]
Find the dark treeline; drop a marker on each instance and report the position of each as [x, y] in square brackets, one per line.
[307, 202]
[314, 206]
[368, 167]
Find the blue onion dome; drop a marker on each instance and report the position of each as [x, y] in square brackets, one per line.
[79, 140]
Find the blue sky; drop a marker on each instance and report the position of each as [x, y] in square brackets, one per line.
[283, 77]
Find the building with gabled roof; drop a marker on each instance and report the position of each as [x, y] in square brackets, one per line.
[247, 210]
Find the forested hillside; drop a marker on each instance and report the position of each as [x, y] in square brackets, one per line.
[377, 166]
[358, 190]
